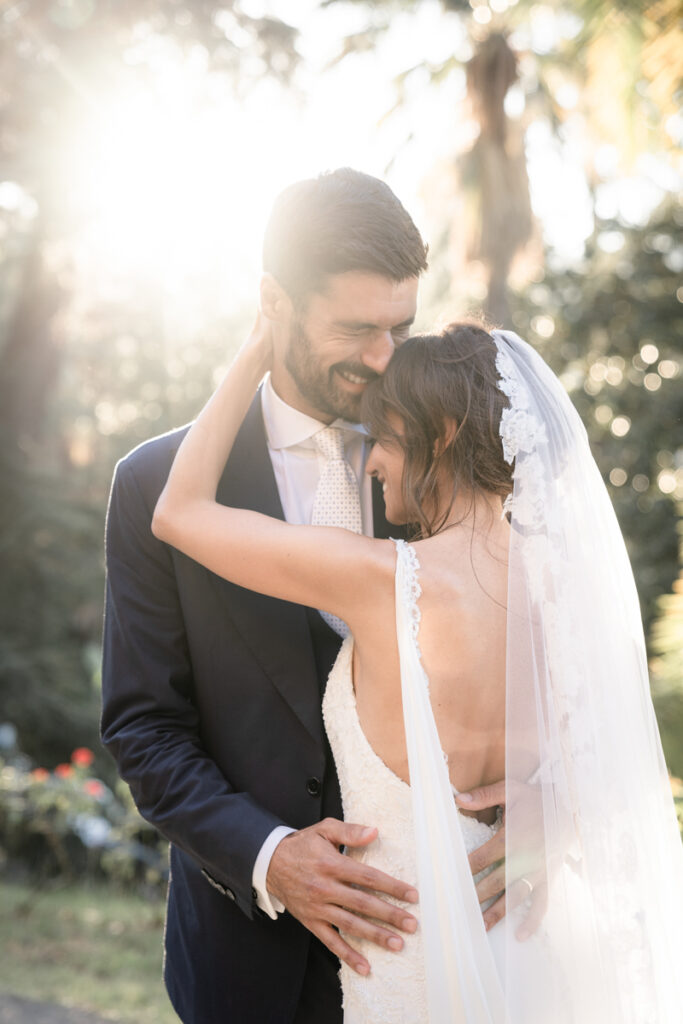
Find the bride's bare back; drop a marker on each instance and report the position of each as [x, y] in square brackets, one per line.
[463, 577]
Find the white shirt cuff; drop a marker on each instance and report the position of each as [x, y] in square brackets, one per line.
[270, 904]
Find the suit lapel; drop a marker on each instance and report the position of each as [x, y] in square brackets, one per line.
[276, 632]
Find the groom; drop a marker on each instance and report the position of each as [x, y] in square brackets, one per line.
[211, 693]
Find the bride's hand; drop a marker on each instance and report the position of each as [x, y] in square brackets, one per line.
[259, 343]
[530, 884]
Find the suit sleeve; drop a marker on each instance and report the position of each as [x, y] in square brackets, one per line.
[149, 721]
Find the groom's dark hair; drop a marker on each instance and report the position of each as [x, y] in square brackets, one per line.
[340, 221]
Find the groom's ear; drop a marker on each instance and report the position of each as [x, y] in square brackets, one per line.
[276, 304]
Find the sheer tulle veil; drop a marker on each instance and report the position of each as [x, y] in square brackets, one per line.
[590, 823]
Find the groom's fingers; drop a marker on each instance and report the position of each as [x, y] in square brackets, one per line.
[370, 906]
[360, 928]
[342, 834]
[319, 886]
[331, 938]
[371, 878]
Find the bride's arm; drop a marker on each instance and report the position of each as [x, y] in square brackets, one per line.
[323, 567]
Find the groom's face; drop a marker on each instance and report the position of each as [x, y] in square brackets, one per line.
[342, 340]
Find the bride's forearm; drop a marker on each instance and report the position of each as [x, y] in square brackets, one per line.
[201, 458]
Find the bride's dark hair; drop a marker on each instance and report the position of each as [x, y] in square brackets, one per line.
[443, 388]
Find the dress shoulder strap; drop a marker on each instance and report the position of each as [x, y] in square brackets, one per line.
[462, 982]
[408, 589]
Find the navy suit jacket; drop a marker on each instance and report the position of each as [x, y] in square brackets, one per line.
[212, 710]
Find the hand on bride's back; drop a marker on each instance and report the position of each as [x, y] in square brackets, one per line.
[326, 890]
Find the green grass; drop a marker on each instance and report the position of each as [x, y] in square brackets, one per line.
[93, 948]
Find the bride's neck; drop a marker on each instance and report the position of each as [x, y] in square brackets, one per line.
[474, 515]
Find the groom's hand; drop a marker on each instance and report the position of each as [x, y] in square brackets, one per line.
[326, 890]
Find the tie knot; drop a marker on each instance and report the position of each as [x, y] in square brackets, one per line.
[330, 443]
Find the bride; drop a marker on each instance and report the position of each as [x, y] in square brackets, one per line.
[505, 641]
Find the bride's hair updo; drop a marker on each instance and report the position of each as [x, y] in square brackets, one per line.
[441, 391]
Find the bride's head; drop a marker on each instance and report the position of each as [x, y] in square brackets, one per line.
[435, 416]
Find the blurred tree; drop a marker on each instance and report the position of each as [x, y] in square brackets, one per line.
[79, 387]
[58, 60]
[612, 328]
[623, 62]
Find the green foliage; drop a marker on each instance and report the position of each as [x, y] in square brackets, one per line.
[612, 328]
[68, 823]
[121, 385]
[51, 600]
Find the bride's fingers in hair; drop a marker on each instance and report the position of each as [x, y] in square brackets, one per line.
[492, 884]
[492, 851]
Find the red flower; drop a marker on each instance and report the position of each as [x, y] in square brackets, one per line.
[82, 757]
[63, 771]
[40, 775]
[93, 788]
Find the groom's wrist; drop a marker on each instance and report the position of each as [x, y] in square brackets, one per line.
[270, 904]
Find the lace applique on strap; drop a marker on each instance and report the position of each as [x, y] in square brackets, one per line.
[411, 591]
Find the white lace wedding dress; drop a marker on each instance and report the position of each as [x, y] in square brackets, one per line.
[395, 992]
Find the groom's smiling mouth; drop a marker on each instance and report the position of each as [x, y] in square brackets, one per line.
[358, 380]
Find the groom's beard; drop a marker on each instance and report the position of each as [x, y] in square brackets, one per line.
[320, 385]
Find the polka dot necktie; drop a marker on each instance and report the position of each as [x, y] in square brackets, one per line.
[337, 498]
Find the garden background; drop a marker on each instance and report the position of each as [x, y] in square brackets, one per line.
[537, 146]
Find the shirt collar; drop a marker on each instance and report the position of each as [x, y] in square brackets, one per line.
[287, 426]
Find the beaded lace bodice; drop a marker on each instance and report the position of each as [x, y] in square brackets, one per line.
[395, 991]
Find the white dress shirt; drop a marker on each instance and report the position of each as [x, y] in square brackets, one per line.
[297, 465]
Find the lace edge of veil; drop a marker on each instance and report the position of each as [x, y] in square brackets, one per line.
[522, 433]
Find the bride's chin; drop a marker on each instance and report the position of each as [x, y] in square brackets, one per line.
[396, 518]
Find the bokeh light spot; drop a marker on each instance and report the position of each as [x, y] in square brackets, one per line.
[668, 368]
[620, 426]
[666, 481]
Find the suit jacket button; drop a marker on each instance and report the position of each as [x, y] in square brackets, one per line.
[313, 787]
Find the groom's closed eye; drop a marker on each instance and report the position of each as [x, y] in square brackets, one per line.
[401, 333]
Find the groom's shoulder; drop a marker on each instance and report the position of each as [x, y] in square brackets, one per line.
[148, 464]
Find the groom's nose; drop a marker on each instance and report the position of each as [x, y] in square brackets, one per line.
[378, 351]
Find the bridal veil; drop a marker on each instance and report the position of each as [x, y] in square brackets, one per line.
[589, 818]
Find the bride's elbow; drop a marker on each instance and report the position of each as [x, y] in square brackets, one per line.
[162, 520]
